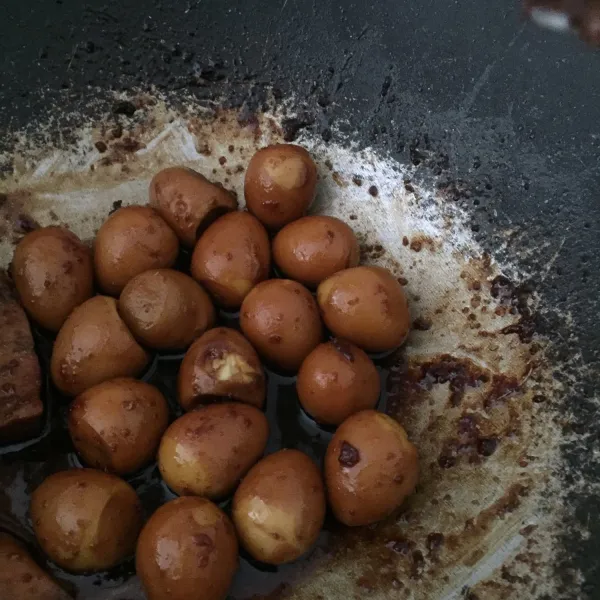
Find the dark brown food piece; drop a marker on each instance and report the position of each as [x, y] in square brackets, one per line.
[221, 364]
[21, 408]
[188, 202]
[280, 184]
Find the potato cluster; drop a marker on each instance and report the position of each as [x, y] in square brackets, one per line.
[318, 320]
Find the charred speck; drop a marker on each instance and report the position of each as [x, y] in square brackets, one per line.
[418, 564]
[487, 446]
[124, 107]
[373, 191]
[25, 224]
[101, 146]
[349, 455]
[356, 180]
[291, 127]
[343, 348]
[422, 324]
[401, 545]
[434, 542]
[116, 205]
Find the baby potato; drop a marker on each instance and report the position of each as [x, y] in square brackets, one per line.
[336, 380]
[86, 520]
[366, 306]
[370, 468]
[116, 425]
[279, 507]
[165, 309]
[53, 273]
[94, 345]
[312, 248]
[207, 451]
[281, 320]
[188, 201]
[132, 240]
[187, 550]
[221, 364]
[231, 257]
[280, 184]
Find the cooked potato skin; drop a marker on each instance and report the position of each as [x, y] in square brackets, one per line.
[313, 248]
[336, 380]
[132, 240]
[281, 320]
[86, 520]
[280, 184]
[221, 364]
[188, 201]
[117, 425]
[366, 306]
[165, 309]
[94, 345]
[370, 468]
[207, 451]
[187, 550]
[231, 257]
[279, 507]
[53, 273]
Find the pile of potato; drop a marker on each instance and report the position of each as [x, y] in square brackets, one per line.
[91, 519]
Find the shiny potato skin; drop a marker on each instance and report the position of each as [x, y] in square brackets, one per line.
[366, 306]
[53, 273]
[313, 248]
[166, 309]
[21, 578]
[279, 507]
[132, 240]
[207, 451]
[336, 380]
[281, 320]
[221, 364]
[188, 201]
[231, 257]
[370, 468]
[280, 184]
[117, 425]
[86, 520]
[187, 550]
[94, 345]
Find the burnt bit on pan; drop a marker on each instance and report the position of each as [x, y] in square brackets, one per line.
[349, 455]
[517, 299]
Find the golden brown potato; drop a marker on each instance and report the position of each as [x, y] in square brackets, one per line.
[336, 380]
[312, 248]
[231, 257]
[94, 345]
[279, 507]
[188, 201]
[132, 240]
[280, 184]
[370, 468]
[116, 425]
[221, 364]
[281, 320]
[53, 273]
[21, 578]
[187, 550]
[366, 306]
[86, 520]
[207, 451]
[166, 309]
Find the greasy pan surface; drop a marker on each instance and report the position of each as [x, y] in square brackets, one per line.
[501, 116]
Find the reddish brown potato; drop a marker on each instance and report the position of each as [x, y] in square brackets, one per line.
[132, 240]
[336, 380]
[281, 320]
[312, 248]
[188, 201]
[279, 507]
[53, 273]
[187, 550]
[221, 364]
[370, 468]
[166, 309]
[366, 306]
[94, 345]
[207, 451]
[86, 520]
[116, 426]
[20, 576]
[231, 257]
[280, 184]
